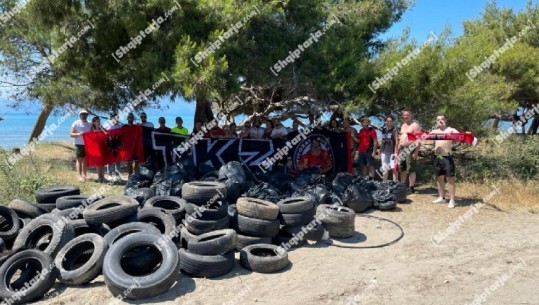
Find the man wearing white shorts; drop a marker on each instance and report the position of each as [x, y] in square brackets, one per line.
[388, 148]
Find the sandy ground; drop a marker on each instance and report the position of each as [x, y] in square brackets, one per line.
[491, 248]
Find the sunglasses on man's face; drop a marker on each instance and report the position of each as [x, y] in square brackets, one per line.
[142, 117]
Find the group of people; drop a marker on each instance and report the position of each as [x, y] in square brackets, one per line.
[397, 153]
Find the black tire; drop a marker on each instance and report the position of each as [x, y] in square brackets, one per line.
[202, 192]
[76, 201]
[297, 219]
[208, 266]
[213, 243]
[214, 211]
[110, 209]
[47, 206]
[173, 205]
[70, 214]
[245, 240]
[186, 237]
[159, 218]
[81, 227]
[335, 214]
[258, 227]
[25, 207]
[80, 261]
[197, 226]
[120, 283]
[257, 208]
[339, 231]
[284, 237]
[295, 205]
[50, 194]
[122, 231]
[2, 246]
[38, 261]
[10, 223]
[60, 233]
[263, 258]
[314, 231]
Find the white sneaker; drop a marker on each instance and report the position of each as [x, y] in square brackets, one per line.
[439, 200]
[451, 204]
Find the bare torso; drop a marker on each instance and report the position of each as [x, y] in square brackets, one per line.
[405, 129]
[443, 147]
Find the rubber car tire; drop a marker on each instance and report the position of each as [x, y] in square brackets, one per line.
[122, 231]
[81, 227]
[201, 192]
[339, 231]
[165, 222]
[62, 233]
[185, 238]
[208, 266]
[140, 287]
[13, 224]
[71, 252]
[297, 219]
[213, 243]
[70, 214]
[335, 214]
[258, 227]
[172, 204]
[263, 264]
[210, 212]
[314, 234]
[50, 194]
[284, 237]
[295, 205]
[23, 206]
[257, 208]
[245, 240]
[75, 201]
[100, 212]
[197, 226]
[39, 288]
[47, 206]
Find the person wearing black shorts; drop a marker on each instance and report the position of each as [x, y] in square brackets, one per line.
[443, 164]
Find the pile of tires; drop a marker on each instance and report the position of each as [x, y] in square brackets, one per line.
[297, 217]
[256, 221]
[206, 208]
[208, 255]
[339, 221]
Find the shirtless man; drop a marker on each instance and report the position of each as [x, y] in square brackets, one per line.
[407, 158]
[444, 166]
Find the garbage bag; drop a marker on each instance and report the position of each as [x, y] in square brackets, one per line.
[188, 167]
[140, 195]
[166, 178]
[397, 188]
[383, 200]
[233, 170]
[320, 193]
[264, 191]
[204, 168]
[341, 182]
[357, 198]
[233, 189]
[136, 181]
[211, 176]
[146, 170]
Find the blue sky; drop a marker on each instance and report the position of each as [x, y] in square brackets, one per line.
[425, 16]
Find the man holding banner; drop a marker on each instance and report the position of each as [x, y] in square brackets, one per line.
[444, 165]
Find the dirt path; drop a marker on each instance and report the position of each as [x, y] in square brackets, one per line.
[490, 248]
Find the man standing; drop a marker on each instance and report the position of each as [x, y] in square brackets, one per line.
[162, 125]
[368, 144]
[256, 131]
[408, 151]
[388, 148]
[78, 128]
[114, 123]
[444, 166]
[179, 129]
[279, 132]
[143, 122]
[347, 127]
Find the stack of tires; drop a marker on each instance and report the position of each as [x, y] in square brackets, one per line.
[257, 221]
[208, 255]
[206, 210]
[339, 221]
[297, 217]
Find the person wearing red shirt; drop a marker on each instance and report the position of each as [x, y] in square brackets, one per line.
[315, 157]
[162, 126]
[368, 144]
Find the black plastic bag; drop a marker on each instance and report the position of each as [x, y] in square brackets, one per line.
[264, 191]
[140, 195]
[357, 198]
[146, 170]
[137, 181]
[397, 188]
[233, 170]
[383, 200]
[341, 182]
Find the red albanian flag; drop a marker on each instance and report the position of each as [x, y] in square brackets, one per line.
[113, 146]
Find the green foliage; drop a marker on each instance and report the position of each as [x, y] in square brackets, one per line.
[27, 175]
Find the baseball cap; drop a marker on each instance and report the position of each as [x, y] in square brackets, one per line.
[82, 110]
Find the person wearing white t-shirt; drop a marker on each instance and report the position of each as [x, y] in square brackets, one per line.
[78, 128]
[256, 131]
[279, 132]
[143, 122]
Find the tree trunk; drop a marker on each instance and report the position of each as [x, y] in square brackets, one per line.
[496, 122]
[203, 110]
[41, 121]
